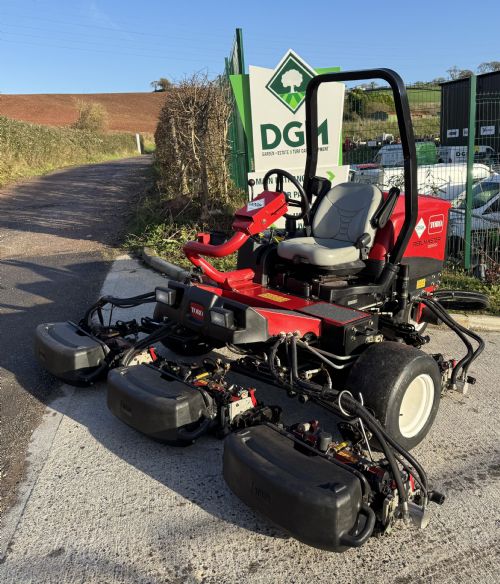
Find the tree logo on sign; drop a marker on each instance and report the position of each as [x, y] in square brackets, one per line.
[290, 80]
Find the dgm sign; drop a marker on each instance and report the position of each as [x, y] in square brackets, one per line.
[278, 119]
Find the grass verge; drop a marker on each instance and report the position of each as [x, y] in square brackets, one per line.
[29, 150]
[166, 224]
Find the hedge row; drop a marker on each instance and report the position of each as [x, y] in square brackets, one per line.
[29, 149]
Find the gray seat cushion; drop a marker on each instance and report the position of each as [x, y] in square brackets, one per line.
[342, 217]
[318, 251]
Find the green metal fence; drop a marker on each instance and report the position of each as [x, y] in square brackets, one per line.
[457, 129]
[239, 165]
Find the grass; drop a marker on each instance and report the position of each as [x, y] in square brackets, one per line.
[159, 224]
[459, 280]
[29, 150]
[148, 143]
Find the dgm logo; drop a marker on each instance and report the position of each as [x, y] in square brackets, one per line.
[288, 84]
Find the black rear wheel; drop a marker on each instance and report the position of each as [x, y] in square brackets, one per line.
[402, 386]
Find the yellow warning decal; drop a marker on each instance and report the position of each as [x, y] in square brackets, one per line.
[275, 297]
[421, 283]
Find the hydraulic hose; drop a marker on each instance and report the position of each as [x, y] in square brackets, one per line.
[319, 355]
[272, 358]
[453, 325]
[385, 441]
[461, 331]
[360, 411]
[372, 423]
[130, 302]
[295, 370]
[465, 330]
[461, 299]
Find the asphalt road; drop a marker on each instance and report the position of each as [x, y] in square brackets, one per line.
[58, 237]
[111, 506]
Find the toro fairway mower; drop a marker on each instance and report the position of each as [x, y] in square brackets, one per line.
[333, 311]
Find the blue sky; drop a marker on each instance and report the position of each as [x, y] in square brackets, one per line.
[85, 46]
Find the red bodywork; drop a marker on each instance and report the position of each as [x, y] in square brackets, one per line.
[282, 310]
[252, 219]
[429, 236]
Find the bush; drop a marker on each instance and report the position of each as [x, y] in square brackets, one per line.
[92, 117]
[29, 149]
[192, 148]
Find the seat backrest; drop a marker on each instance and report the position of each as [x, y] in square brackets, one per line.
[345, 212]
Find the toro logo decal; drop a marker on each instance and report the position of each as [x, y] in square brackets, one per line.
[197, 311]
[436, 224]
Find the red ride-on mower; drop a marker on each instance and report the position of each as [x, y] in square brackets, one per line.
[333, 311]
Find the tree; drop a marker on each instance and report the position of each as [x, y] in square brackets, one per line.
[91, 116]
[489, 66]
[356, 102]
[456, 73]
[162, 84]
[292, 79]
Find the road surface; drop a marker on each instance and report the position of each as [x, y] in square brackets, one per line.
[58, 237]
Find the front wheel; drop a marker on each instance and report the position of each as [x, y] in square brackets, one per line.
[402, 386]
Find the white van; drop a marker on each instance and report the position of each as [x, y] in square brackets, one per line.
[392, 154]
[441, 180]
[458, 154]
[389, 155]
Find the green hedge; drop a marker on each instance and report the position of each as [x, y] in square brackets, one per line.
[29, 149]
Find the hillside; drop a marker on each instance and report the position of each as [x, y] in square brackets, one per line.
[129, 112]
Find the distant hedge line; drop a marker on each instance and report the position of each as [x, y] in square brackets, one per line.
[30, 150]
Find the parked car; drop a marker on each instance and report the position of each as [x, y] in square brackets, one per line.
[485, 221]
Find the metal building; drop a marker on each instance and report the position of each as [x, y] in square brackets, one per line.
[455, 97]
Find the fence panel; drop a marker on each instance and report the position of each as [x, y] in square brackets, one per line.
[440, 115]
[235, 65]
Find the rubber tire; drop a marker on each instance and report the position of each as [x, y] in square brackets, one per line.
[382, 374]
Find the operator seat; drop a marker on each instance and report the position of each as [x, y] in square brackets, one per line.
[342, 228]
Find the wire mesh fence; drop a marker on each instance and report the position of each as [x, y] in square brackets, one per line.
[441, 116]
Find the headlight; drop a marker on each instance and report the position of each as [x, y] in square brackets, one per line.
[222, 317]
[165, 296]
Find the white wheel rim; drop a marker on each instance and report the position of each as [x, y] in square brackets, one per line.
[416, 405]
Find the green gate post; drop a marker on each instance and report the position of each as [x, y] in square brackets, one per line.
[470, 172]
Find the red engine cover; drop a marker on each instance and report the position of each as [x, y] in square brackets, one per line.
[428, 239]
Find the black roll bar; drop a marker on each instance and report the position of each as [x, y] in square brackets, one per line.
[405, 131]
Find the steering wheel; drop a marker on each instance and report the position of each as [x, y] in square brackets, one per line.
[303, 204]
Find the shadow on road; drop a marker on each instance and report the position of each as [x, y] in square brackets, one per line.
[64, 203]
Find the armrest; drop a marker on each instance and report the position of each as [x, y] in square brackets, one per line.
[382, 214]
[363, 241]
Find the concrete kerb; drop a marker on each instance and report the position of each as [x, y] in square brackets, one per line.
[477, 322]
[154, 261]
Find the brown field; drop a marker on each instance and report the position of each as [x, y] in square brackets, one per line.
[129, 112]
